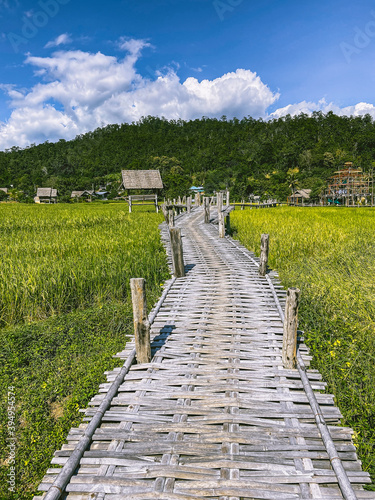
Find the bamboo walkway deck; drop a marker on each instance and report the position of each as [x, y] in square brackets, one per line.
[214, 415]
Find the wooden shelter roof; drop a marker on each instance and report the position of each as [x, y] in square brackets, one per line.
[5, 190]
[302, 193]
[78, 194]
[141, 179]
[46, 193]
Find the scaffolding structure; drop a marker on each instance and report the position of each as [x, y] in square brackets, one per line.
[349, 187]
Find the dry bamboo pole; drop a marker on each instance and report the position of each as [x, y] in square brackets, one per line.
[188, 204]
[290, 328]
[141, 324]
[264, 247]
[219, 201]
[130, 204]
[227, 199]
[206, 210]
[197, 199]
[171, 218]
[221, 225]
[177, 252]
[165, 212]
[227, 223]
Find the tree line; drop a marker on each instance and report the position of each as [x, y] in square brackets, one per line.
[248, 156]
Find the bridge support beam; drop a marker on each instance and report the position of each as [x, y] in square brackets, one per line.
[289, 353]
[264, 247]
[177, 253]
[221, 225]
[206, 209]
[171, 218]
[141, 324]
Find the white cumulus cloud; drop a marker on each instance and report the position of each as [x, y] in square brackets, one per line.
[308, 108]
[80, 91]
[63, 39]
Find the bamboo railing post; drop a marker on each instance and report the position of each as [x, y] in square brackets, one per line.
[290, 328]
[227, 199]
[141, 324]
[188, 204]
[206, 209]
[227, 223]
[221, 225]
[219, 200]
[130, 204]
[171, 218]
[165, 212]
[264, 246]
[197, 199]
[177, 253]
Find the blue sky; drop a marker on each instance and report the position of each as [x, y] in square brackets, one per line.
[69, 66]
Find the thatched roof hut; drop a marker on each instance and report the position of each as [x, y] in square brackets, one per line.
[299, 196]
[82, 194]
[141, 179]
[302, 193]
[46, 195]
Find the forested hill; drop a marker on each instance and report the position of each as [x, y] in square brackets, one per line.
[249, 156]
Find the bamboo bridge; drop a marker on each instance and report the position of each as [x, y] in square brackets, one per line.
[215, 414]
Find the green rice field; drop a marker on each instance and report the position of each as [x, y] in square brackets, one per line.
[329, 253]
[65, 311]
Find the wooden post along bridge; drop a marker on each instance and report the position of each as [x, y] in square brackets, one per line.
[221, 405]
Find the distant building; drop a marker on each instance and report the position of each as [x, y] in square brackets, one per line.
[141, 180]
[5, 190]
[46, 195]
[299, 197]
[85, 194]
[349, 186]
[197, 189]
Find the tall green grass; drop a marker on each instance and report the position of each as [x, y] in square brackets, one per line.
[65, 311]
[60, 258]
[329, 253]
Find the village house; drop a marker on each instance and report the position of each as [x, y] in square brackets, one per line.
[299, 197]
[86, 195]
[46, 195]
